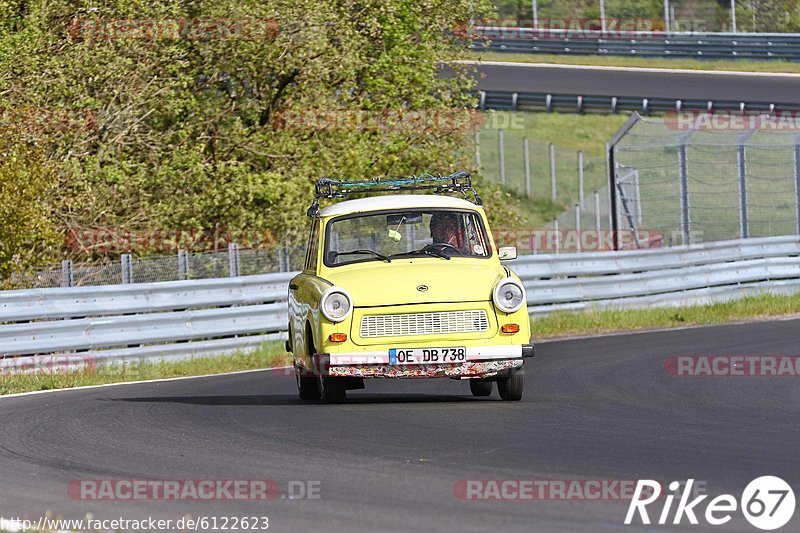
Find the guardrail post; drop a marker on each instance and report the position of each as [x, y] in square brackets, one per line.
[67, 279]
[183, 265]
[233, 259]
[553, 194]
[127, 268]
[684, 192]
[502, 152]
[797, 180]
[526, 151]
[580, 177]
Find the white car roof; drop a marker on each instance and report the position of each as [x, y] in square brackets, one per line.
[396, 201]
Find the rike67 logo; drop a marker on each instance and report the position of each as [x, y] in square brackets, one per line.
[767, 503]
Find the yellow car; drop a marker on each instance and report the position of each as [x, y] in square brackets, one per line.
[405, 285]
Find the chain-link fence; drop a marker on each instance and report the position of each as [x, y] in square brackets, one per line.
[531, 169]
[705, 179]
[545, 171]
[181, 266]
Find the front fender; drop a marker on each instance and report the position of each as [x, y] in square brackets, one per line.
[304, 314]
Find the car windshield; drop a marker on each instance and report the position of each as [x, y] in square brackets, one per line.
[438, 234]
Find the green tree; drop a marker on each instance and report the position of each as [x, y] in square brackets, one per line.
[188, 130]
[770, 16]
[27, 184]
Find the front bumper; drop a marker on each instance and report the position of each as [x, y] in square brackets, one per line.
[477, 369]
[481, 361]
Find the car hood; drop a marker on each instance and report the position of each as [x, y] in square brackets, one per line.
[373, 284]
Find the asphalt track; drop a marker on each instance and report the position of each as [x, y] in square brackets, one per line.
[647, 83]
[599, 408]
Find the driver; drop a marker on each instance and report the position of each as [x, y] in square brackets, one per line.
[445, 229]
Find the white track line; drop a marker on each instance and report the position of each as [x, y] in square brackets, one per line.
[84, 387]
[632, 69]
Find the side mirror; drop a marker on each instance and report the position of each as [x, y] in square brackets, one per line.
[507, 253]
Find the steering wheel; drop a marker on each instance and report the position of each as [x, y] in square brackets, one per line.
[442, 246]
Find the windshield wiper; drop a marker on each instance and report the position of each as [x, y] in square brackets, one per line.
[426, 251]
[364, 252]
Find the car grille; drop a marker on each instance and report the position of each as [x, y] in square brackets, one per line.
[424, 323]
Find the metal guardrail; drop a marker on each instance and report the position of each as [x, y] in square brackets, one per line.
[642, 44]
[49, 304]
[571, 103]
[166, 320]
[178, 320]
[682, 275]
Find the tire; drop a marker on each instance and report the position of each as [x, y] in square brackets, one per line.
[307, 387]
[480, 388]
[333, 390]
[510, 388]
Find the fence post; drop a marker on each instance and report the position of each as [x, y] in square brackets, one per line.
[233, 259]
[127, 268]
[283, 263]
[617, 212]
[597, 212]
[684, 191]
[580, 177]
[526, 150]
[637, 195]
[557, 235]
[741, 167]
[501, 146]
[67, 279]
[578, 227]
[477, 149]
[797, 180]
[183, 265]
[553, 194]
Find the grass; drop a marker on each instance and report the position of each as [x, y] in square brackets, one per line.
[774, 65]
[269, 356]
[607, 321]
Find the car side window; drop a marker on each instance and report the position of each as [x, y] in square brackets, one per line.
[313, 246]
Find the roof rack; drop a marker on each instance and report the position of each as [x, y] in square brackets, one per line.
[458, 182]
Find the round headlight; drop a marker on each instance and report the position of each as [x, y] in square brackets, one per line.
[336, 304]
[509, 295]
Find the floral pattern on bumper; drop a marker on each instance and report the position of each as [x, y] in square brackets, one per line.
[467, 369]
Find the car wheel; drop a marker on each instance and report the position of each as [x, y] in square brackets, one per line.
[510, 388]
[333, 390]
[307, 387]
[480, 388]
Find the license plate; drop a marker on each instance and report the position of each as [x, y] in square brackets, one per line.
[416, 356]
